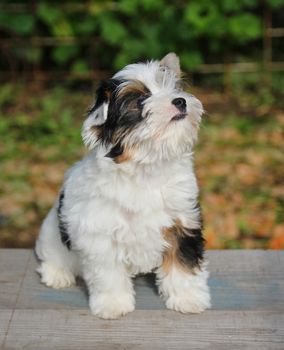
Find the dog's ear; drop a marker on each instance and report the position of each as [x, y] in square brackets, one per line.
[171, 61]
[97, 115]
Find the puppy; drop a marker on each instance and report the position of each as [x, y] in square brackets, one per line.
[131, 205]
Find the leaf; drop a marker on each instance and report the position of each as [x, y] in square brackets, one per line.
[244, 27]
[191, 60]
[56, 19]
[62, 28]
[48, 13]
[80, 66]
[63, 54]
[204, 18]
[151, 5]
[121, 60]
[275, 3]
[85, 27]
[21, 23]
[129, 6]
[112, 29]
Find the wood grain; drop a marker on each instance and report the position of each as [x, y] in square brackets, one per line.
[66, 329]
[247, 290]
[5, 318]
[13, 265]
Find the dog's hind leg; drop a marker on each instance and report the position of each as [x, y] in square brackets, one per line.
[58, 265]
[182, 277]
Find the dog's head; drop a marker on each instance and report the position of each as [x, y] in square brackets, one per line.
[142, 113]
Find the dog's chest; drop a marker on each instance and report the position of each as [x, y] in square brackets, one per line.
[139, 214]
[131, 211]
[139, 241]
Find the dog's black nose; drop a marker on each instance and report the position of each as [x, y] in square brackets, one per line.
[180, 104]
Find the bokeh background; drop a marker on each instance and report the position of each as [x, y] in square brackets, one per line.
[52, 55]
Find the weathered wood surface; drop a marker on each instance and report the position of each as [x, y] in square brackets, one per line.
[247, 312]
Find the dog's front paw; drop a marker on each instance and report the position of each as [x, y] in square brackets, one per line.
[189, 302]
[54, 276]
[111, 306]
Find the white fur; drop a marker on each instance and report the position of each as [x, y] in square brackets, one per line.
[116, 212]
[184, 292]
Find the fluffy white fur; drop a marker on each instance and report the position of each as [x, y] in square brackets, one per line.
[116, 212]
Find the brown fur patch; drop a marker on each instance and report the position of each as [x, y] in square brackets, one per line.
[133, 87]
[171, 257]
[108, 94]
[124, 157]
[97, 130]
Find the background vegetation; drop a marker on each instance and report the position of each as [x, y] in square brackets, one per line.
[52, 56]
[123, 31]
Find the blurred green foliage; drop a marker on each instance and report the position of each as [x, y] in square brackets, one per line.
[123, 31]
[40, 122]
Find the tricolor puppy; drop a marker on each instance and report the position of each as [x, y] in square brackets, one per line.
[131, 205]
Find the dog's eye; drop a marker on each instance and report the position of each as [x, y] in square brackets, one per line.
[141, 100]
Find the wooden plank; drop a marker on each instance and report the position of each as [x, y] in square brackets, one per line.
[247, 290]
[5, 318]
[73, 329]
[237, 261]
[13, 265]
[239, 280]
[35, 295]
[247, 279]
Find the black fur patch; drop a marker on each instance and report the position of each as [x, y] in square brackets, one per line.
[104, 92]
[65, 238]
[191, 247]
[124, 111]
[116, 151]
